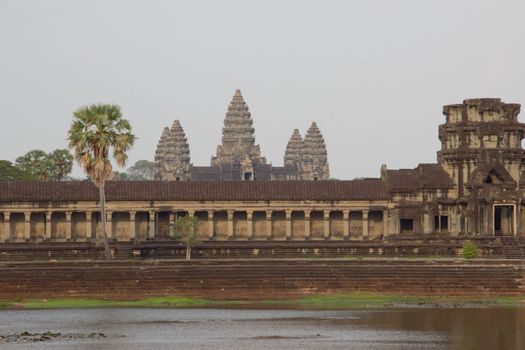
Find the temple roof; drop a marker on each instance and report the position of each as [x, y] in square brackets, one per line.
[72, 191]
[425, 176]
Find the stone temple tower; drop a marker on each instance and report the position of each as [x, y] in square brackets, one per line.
[478, 134]
[238, 154]
[172, 158]
[314, 159]
[293, 155]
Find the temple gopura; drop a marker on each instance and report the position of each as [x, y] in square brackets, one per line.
[476, 188]
[238, 157]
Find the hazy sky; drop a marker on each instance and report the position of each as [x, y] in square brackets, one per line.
[373, 74]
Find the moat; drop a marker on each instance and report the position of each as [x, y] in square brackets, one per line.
[422, 328]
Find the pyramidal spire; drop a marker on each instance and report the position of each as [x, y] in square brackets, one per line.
[314, 155]
[292, 155]
[238, 122]
[172, 159]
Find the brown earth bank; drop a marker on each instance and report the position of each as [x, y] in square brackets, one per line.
[260, 279]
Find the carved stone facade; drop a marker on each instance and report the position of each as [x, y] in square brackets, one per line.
[172, 158]
[238, 157]
[476, 188]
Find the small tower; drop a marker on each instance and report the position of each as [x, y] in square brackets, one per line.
[292, 155]
[172, 158]
[314, 159]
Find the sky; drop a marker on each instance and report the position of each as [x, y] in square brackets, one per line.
[373, 74]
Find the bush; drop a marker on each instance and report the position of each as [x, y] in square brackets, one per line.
[470, 250]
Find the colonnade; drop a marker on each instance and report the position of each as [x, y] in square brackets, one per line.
[215, 224]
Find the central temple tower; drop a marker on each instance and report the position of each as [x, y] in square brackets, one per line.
[238, 151]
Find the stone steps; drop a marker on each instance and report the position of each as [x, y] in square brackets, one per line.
[254, 279]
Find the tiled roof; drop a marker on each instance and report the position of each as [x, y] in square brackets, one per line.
[367, 189]
[425, 176]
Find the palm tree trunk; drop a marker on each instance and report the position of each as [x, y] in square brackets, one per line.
[107, 250]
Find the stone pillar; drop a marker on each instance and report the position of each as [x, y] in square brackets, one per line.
[109, 225]
[326, 221]
[269, 224]
[171, 224]
[307, 225]
[47, 234]
[230, 224]
[385, 222]
[27, 226]
[365, 224]
[346, 224]
[132, 226]
[7, 226]
[210, 225]
[288, 224]
[152, 217]
[68, 226]
[249, 224]
[89, 227]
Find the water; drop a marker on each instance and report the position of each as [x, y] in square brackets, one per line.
[217, 329]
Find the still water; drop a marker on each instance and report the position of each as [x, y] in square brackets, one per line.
[217, 329]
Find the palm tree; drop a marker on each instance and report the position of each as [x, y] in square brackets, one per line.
[97, 131]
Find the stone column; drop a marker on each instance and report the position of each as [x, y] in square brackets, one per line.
[27, 226]
[385, 222]
[89, 227]
[307, 225]
[249, 224]
[132, 226]
[288, 224]
[210, 225]
[152, 217]
[47, 234]
[365, 224]
[109, 225]
[68, 226]
[230, 224]
[326, 221]
[7, 226]
[171, 224]
[269, 224]
[346, 224]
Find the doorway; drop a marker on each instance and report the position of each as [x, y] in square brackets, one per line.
[503, 220]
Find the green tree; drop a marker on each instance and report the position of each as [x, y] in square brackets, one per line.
[62, 163]
[35, 162]
[186, 231]
[9, 172]
[97, 134]
[142, 170]
[53, 166]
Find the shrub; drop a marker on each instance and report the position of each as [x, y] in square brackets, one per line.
[470, 250]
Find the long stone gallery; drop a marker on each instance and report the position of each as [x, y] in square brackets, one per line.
[251, 211]
[474, 189]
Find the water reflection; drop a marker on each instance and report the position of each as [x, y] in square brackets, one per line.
[480, 329]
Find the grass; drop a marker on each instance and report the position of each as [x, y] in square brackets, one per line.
[358, 300]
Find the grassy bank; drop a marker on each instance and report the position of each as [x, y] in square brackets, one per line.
[321, 302]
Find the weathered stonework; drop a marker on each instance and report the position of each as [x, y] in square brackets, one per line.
[172, 158]
[238, 157]
[476, 188]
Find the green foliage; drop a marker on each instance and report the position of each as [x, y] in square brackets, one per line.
[470, 250]
[186, 231]
[9, 172]
[142, 170]
[46, 166]
[97, 131]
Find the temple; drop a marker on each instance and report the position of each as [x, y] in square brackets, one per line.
[238, 157]
[476, 188]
